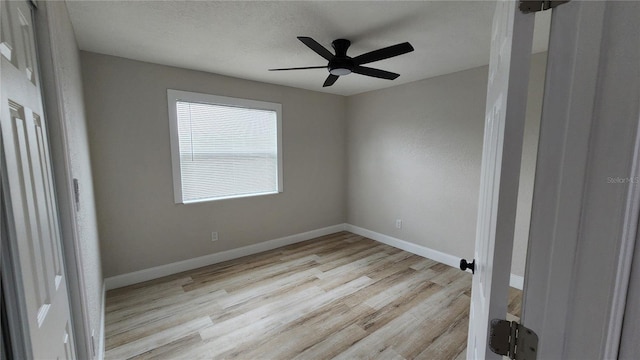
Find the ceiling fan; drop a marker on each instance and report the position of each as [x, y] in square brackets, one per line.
[341, 64]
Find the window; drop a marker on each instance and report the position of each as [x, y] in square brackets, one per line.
[224, 147]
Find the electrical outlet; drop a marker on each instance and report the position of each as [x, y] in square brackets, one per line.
[214, 236]
[398, 223]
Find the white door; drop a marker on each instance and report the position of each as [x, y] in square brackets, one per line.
[512, 36]
[33, 216]
[585, 206]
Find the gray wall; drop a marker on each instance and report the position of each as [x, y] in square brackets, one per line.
[140, 224]
[65, 115]
[414, 154]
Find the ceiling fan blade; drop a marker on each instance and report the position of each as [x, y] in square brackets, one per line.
[363, 70]
[300, 68]
[315, 46]
[383, 53]
[331, 79]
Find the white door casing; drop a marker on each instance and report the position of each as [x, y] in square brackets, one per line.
[512, 36]
[584, 214]
[31, 196]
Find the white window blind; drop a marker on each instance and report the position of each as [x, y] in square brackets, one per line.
[225, 150]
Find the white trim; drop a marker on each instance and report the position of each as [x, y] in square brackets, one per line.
[175, 146]
[135, 277]
[47, 26]
[101, 344]
[559, 188]
[629, 346]
[406, 246]
[515, 281]
[173, 96]
[189, 264]
[575, 280]
[625, 257]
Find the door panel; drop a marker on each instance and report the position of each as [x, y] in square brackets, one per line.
[30, 188]
[507, 87]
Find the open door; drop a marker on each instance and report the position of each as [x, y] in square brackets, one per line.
[584, 218]
[27, 186]
[512, 36]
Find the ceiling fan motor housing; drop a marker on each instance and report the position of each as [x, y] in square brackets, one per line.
[341, 64]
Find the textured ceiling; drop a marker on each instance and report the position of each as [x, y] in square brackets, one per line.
[243, 39]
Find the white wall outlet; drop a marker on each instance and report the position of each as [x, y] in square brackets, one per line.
[398, 223]
[214, 236]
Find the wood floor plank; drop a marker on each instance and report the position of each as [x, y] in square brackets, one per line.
[424, 264]
[331, 346]
[222, 338]
[242, 278]
[319, 247]
[399, 290]
[158, 307]
[515, 302]
[391, 354]
[448, 345]
[338, 296]
[171, 350]
[462, 355]
[158, 339]
[362, 267]
[394, 309]
[281, 296]
[411, 330]
[266, 287]
[159, 319]
[404, 261]
[254, 319]
[379, 285]
[339, 255]
[345, 260]
[432, 327]
[305, 333]
[127, 297]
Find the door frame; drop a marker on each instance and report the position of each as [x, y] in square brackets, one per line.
[629, 346]
[589, 132]
[53, 104]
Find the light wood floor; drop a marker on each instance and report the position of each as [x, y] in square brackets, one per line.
[340, 296]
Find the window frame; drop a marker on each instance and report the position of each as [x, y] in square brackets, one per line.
[173, 96]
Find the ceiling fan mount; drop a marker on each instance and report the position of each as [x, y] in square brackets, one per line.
[341, 64]
[341, 46]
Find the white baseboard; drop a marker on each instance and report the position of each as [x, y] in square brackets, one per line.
[101, 344]
[406, 246]
[114, 282]
[190, 264]
[514, 281]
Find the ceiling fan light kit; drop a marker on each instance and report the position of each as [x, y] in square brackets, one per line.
[340, 71]
[341, 64]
